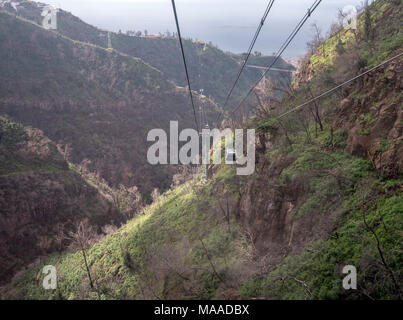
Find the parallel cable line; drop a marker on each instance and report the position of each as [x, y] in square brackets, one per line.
[184, 62]
[272, 69]
[262, 21]
[338, 87]
[281, 50]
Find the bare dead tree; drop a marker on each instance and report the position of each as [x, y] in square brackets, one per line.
[317, 117]
[82, 238]
[380, 251]
[226, 212]
[127, 200]
[60, 236]
[369, 30]
[303, 283]
[304, 121]
[334, 30]
[286, 133]
[316, 41]
[210, 261]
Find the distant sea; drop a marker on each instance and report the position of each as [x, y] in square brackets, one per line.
[229, 24]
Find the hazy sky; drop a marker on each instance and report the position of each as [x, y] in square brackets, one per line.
[230, 24]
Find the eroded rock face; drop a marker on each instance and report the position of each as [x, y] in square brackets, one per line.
[267, 213]
[266, 210]
[372, 114]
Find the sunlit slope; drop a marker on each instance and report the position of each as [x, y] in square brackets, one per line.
[320, 199]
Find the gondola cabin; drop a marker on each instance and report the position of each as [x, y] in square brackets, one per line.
[230, 156]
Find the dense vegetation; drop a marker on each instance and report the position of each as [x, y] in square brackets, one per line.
[327, 192]
[195, 243]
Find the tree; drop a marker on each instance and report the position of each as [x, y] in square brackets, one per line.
[131, 33]
[267, 104]
[315, 113]
[67, 152]
[156, 195]
[127, 200]
[369, 30]
[82, 239]
[316, 41]
[334, 30]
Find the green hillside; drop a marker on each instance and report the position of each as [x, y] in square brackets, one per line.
[327, 192]
[210, 68]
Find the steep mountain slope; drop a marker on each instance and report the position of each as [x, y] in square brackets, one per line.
[41, 198]
[206, 241]
[99, 103]
[370, 110]
[210, 68]
[312, 207]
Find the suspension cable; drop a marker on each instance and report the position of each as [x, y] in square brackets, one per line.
[338, 87]
[184, 62]
[282, 49]
[261, 23]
